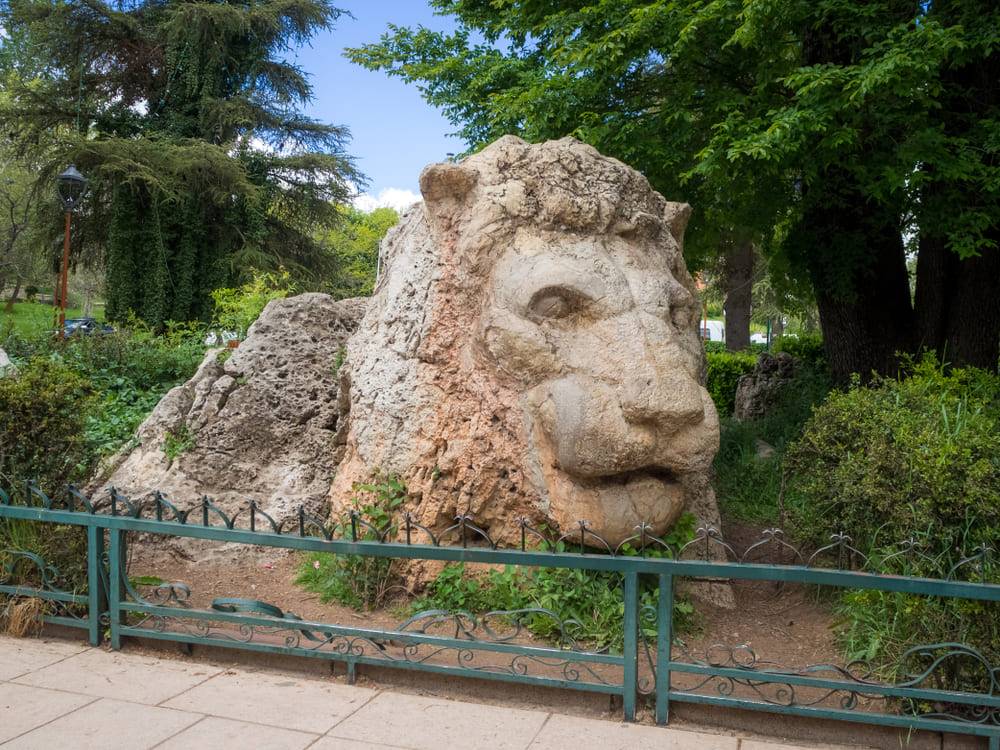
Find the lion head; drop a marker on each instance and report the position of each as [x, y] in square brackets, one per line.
[532, 350]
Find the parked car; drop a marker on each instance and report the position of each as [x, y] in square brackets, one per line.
[86, 327]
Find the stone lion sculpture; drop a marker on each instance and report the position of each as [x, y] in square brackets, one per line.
[531, 350]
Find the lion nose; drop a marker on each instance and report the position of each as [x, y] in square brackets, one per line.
[669, 399]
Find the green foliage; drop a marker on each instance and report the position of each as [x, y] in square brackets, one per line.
[43, 413]
[182, 198]
[592, 600]
[177, 442]
[749, 486]
[354, 244]
[724, 372]
[129, 371]
[917, 456]
[237, 308]
[354, 580]
[912, 458]
[805, 347]
[814, 128]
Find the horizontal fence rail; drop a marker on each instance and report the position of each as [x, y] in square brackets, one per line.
[494, 646]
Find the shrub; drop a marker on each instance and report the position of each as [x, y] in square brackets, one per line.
[129, 371]
[43, 413]
[917, 457]
[749, 486]
[358, 581]
[236, 308]
[805, 347]
[724, 372]
[589, 602]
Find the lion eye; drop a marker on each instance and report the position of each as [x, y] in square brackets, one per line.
[554, 303]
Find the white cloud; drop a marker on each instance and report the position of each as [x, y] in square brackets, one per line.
[396, 198]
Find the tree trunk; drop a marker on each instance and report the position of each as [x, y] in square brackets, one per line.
[935, 266]
[13, 297]
[739, 288]
[958, 305]
[854, 253]
[972, 334]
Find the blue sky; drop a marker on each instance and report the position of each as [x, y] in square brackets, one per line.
[395, 133]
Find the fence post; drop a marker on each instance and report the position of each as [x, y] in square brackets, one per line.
[115, 584]
[631, 650]
[664, 638]
[96, 596]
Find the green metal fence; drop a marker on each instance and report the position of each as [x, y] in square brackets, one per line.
[652, 666]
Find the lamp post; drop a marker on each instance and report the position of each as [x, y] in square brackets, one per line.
[71, 185]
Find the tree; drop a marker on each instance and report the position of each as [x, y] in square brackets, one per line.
[821, 130]
[187, 118]
[354, 246]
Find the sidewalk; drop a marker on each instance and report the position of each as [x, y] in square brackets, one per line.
[60, 694]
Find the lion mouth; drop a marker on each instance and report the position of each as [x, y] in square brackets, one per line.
[645, 474]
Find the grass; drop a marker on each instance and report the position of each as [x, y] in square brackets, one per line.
[30, 318]
[749, 487]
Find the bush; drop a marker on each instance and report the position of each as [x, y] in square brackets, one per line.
[129, 371]
[43, 413]
[805, 347]
[236, 308]
[917, 457]
[358, 581]
[724, 372]
[43, 417]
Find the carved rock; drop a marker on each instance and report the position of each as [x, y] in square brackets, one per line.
[531, 350]
[263, 423]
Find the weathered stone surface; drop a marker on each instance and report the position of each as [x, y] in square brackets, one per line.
[262, 423]
[6, 366]
[531, 350]
[757, 392]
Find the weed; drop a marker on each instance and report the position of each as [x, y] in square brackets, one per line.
[358, 581]
[177, 442]
[338, 360]
[591, 602]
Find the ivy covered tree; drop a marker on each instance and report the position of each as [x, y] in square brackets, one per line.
[187, 117]
[827, 132]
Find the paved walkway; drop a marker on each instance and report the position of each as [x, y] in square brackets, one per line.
[63, 695]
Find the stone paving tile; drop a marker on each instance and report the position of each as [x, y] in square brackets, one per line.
[103, 674]
[24, 708]
[423, 723]
[288, 701]
[107, 725]
[335, 743]
[774, 745]
[213, 733]
[574, 733]
[21, 655]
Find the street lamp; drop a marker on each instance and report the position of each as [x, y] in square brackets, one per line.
[71, 185]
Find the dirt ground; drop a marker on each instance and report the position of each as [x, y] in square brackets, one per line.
[789, 625]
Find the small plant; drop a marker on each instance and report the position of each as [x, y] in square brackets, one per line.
[358, 581]
[223, 356]
[177, 442]
[338, 360]
[593, 599]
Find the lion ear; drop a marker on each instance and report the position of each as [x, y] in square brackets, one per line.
[676, 216]
[442, 184]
